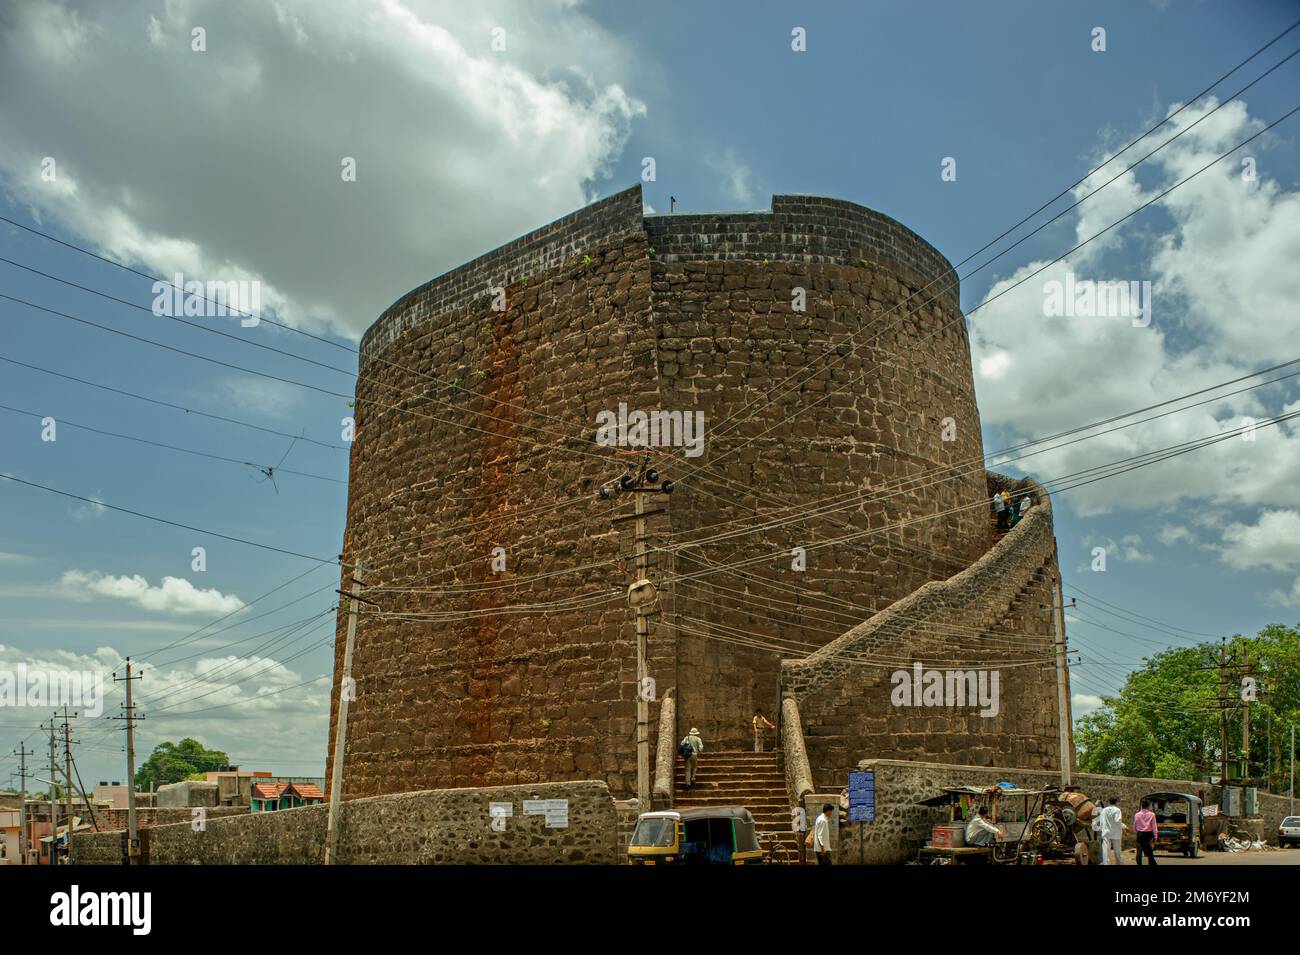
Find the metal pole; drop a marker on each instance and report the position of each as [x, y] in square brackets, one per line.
[341, 731]
[1291, 810]
[642, 635]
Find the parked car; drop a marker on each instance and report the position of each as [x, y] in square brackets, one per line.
[1288, 831]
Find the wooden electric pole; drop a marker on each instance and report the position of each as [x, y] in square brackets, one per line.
[341, 728]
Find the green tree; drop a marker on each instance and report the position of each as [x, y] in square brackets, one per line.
[1165, 720]
[173, 762]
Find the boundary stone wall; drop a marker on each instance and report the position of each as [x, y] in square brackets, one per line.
[901, 825]
[435, 827]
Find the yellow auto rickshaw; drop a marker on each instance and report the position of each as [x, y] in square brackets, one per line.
[719, 835]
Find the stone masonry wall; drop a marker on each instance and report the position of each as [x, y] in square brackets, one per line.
[872, 367]
[441, 827]
[987, 615]
[462, 693]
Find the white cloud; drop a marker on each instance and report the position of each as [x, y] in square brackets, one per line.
[1220, 255]
[458, 148]
[248, 691]
[1223, 278]
[272, 399]
[737, 178]
[1272, 542]
[85, 512]
[174, 595]
[1285, 598]
[1082, 704]
[1128, 547]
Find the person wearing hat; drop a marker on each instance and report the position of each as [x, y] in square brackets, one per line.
[690, 748]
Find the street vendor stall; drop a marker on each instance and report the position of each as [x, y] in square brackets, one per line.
[1036, 825]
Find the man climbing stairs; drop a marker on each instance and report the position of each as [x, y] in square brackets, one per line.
[741, 778]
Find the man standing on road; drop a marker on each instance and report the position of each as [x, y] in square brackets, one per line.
[1110, 826]
[822, 835]
[1144, 826]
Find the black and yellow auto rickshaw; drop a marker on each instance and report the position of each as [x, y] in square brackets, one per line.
[1178, 822]
[720, 835]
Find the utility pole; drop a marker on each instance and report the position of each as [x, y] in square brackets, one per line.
[54, 807]
[341, 730]
[642, 597]
[67, 769]
[1065, 735]
[1245, 724]
[1223, 712]
[132, 829]
[23, 753]
[1291, 810]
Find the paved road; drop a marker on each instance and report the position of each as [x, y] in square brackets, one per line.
[1262, 857]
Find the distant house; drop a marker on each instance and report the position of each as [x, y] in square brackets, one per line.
[265, 797]
[271, 797]
[301, 794]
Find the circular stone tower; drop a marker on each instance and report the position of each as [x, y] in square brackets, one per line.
[821, 343]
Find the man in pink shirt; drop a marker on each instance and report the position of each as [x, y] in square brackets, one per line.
[1144, 825]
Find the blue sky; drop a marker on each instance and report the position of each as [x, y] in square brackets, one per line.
[227, 161]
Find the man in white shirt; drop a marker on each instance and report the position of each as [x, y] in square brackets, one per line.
[1110, 826]
[981, 832]
[822, 835]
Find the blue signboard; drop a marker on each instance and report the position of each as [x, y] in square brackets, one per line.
[862, 796]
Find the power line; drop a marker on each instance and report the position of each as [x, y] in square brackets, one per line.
[171, 447]
[168, 404]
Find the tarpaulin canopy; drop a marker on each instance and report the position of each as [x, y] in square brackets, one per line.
[950, 792]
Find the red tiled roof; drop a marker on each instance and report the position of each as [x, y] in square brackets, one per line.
[268, 790]
[305, 790]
